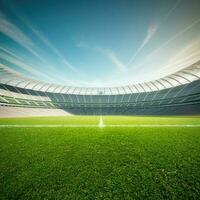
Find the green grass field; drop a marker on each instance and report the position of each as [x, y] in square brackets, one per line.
[100, 163]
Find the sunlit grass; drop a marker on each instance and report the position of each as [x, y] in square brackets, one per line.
[52, 120]
[151, 120]
[94, 163]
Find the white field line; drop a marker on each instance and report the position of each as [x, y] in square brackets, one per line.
[93, 125]
[46, 125]
[101, 123]
[153, 125]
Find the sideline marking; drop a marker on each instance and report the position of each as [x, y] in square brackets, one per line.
[46, 125]
[100, 126]
[154, 125]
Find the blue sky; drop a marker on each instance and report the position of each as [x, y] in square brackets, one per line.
[98, 43]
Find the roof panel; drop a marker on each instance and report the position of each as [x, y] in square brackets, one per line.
[184, 76]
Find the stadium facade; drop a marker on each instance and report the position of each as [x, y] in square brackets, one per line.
[176, 94]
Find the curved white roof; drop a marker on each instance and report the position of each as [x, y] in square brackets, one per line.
[187, 75]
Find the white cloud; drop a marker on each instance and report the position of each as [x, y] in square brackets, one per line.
[189, 55]
[149, 35]
[156, 52]
[13, 58]
[21, 64]
[115, 60]
[170, 12]
[45, 40]
[120, 66]
[151, 31]
[50, 45]
[13, 32]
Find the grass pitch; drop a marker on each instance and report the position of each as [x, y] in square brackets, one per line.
[100, 163]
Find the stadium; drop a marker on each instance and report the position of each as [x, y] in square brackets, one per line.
[99, 100]
[176, 94]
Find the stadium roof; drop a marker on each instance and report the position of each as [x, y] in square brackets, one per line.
[187, 75]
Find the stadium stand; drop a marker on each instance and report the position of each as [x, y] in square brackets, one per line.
[7, 111]
[176, 94]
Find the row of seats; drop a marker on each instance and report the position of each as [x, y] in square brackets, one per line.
[190, 99]
[172, 93]
[8, 111]
[137, 103]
